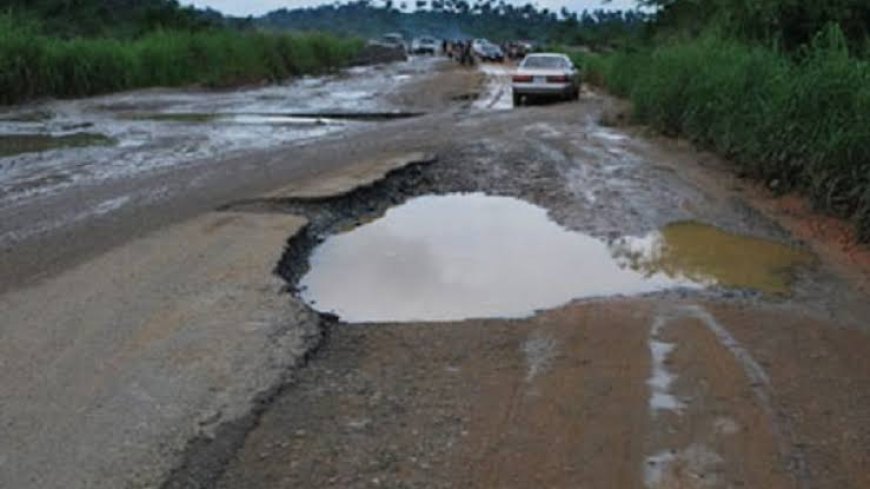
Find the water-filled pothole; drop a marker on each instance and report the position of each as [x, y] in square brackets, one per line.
[459, 256]
[16, 144]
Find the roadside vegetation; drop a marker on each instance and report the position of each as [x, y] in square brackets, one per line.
[37, 61]
[790, 105]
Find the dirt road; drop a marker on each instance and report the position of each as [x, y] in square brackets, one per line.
[613, 311]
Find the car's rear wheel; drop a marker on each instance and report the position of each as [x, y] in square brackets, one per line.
[518, 100]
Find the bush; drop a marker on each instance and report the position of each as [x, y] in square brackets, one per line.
[33, 64]
[798, 123]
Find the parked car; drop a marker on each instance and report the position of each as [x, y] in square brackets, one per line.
[395, 40]
[425, 45]
[546, 75]
[389, 47]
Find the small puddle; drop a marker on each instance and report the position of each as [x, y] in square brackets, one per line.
[27, 116]
[192, 118]
[452, 257]
[706, 254]
[11, 145]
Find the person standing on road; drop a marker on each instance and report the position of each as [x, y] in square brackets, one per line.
[467, 58]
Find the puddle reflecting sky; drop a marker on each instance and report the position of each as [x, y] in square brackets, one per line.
[464, 256]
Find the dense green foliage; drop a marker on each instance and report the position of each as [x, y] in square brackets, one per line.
[33, 64]
[789, 24]
[794, 113]
[458, 19]
[116, 18]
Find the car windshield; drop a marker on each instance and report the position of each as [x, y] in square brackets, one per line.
[544, 62]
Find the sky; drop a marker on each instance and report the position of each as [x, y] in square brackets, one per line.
[259, 7]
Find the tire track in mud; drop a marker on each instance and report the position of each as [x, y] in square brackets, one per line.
[698, 463]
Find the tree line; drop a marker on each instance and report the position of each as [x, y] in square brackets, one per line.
[459, 19]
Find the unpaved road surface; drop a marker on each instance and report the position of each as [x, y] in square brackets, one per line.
[173, 342]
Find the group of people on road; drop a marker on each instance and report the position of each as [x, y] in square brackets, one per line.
[459, 51]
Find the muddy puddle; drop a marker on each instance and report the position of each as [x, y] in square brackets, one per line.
[461, 256]
[705, 254]
[15, 144]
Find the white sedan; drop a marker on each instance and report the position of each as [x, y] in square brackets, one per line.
[546, 75]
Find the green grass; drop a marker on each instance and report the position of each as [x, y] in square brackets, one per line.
[799, 123]
[34, 65]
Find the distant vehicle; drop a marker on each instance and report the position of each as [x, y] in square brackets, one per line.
[519, 49]
[487, 51]
[546, 75]
[425, 45]
[395, 40]
[478, 43]
[528, 46]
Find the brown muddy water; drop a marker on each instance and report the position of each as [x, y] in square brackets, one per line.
[14, 144]
[706, 254]
[461, 256]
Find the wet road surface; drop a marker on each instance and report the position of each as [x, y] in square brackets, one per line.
[175, 358]
[70, 168]
[156, 129]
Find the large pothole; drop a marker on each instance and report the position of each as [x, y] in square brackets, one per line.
[466, 237]
[461, 256]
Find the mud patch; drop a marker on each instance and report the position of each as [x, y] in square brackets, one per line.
[696, 467]
[466, 97]
[460, 256]
[706, 254]
[34, 143]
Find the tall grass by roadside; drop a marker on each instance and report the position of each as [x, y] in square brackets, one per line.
[33, 64]
[797, 122]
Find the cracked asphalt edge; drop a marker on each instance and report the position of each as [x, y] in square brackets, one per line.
[204, 459]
